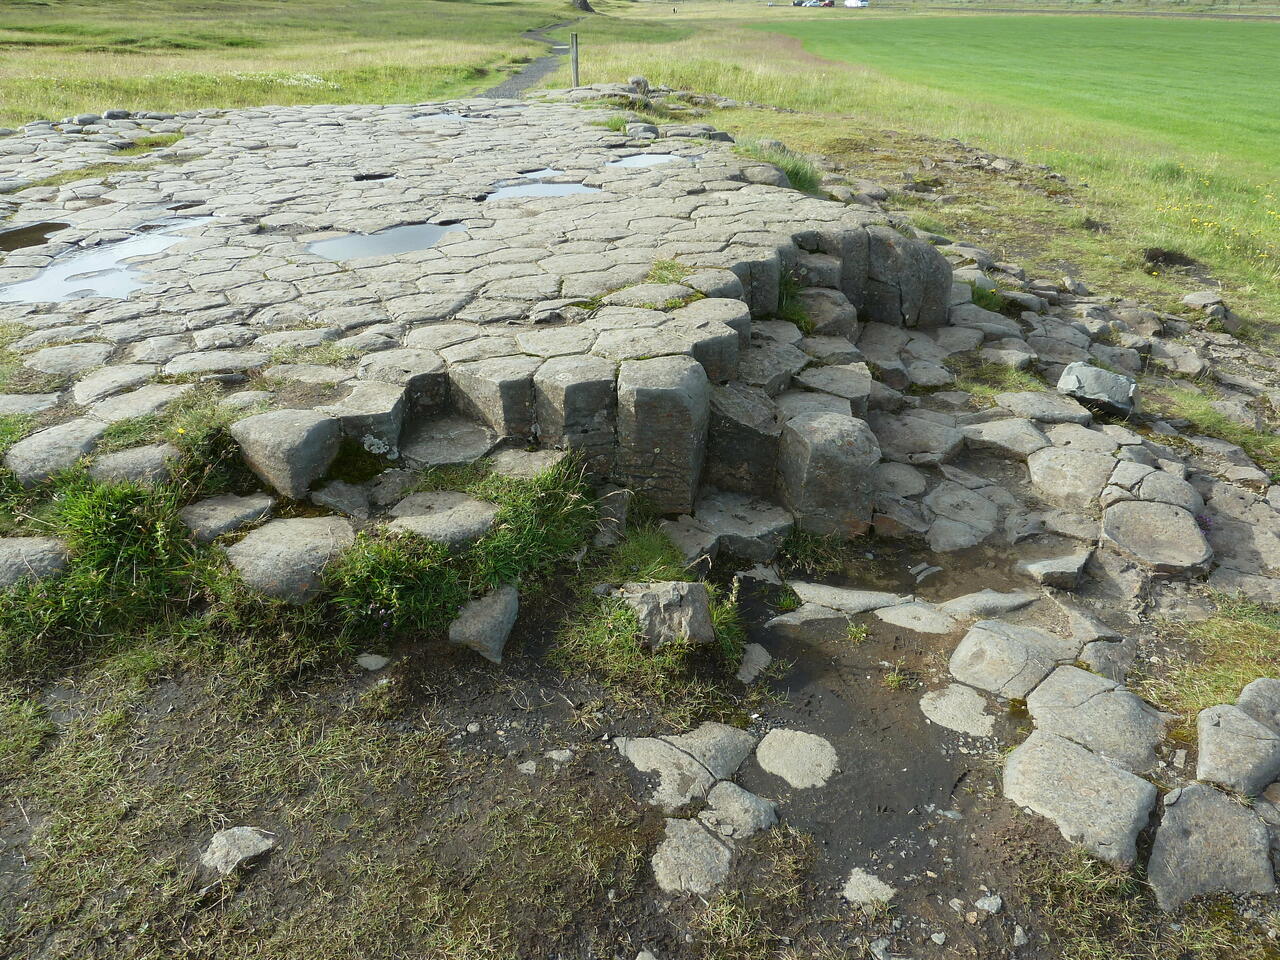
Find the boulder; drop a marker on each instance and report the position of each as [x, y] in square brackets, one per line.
[286, 558]
[1261, 701]
[1091, 801]
[1236, 751]
[1101, 389]
[485, 624]
[824, 472]
[288, 449]
[670, 611]
[743, 440]
[1207, 843]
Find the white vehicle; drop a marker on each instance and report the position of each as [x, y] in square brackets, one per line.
[856, 3]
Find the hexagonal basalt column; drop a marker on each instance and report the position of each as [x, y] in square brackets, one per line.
[498, 391]
[824, 472]
[575, 402]
[663, 411]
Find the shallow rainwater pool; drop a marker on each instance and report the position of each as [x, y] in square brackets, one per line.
[405, 239]
[644, 160]
[540, 190]
[105, 271]
[31, 235]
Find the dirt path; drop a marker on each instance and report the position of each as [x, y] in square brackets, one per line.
[533, 71]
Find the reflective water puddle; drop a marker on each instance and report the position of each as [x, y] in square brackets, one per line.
[542, 174]
[106, 271]
[414, 236]
[540, 190]
[644, 160]
[32, 235]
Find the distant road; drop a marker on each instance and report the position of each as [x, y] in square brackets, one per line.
[1091, 13]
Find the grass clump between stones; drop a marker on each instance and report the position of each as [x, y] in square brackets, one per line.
[800, 171]
[1196, 406]
[789, 306]
[985, 380]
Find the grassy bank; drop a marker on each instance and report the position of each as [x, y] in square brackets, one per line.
[60, 57]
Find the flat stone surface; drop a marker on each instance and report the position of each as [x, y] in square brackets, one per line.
[958, 708]
[803, 760]
[1236, 751]
[918, 616]
[1207, 843]
[1091, 801]
[1007, 659]
[211, 518]
[735, 813]
[286, 558]
[1012, 437]
[1044, 407]
[235, 847]
[445, 516]
[847, 601]
[1160, 535]
[288, 449]
[866, 890]
[50, 451]
[690, 859]
[987, 603]
[30, 558]
[1099, 714]
[1069, 477]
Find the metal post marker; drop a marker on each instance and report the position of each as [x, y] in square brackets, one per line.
[573, 57]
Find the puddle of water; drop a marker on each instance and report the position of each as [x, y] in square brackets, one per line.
[105, 271]
[645, 160]
[540, 190]
[542, 174]
[32, 235]
[414, 236]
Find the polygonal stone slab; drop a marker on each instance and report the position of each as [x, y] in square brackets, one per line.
[825, 464]
[286, 558]
[575, 404]
[1007, 659]
[288, 449]
[690, 859]
[1098, 714]
[52, 450]
[30, 558]
[211, 518]
[445, 516]
[1236, 751]
[1160, 535]
[743, 439]
[499, 392]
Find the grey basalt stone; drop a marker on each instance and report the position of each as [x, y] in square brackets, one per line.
[829, 311]
[445, 516]
[743, 439]
[1236, 751]
[1207, 843]
[146, 465]
[803, 760]
[908, 281]
[690, 859]
[372, 414]
[421, 372]
[498, 391]
[211, 518]
[847, 601]
[1069, 477]
[235, 848]
[1260, 699]
[736, 813]
[30, 558]
[744, 527]
[288, 449]
[53, 449]
[1043, 407]
[1012, 437]
[485, 624]
[914, 439]
[825, 478]
[1164, 537]
[1007, 659]
[1111, 392]
[851, 381]
[1091, 801]
[71, 358]
[1099, 714]
[663, 412]
[670, 611]
[286, 558]
[575, 404]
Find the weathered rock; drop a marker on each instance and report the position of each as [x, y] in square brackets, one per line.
[371, 414]
[420, 372]
[755, 660]
[1062, 572]
[913, 439]
[1072, 478]
[670, 611]
[108, 380]
[288, 449]
[918, 616]
[485, 624]
[689, 859]
[52, 450]
[987, 603]
[804, 760]
[958, 708]
[1103, 389]
[1261, 700]
[498, 391]
[445, 516]
[908, 281]
[142, 465]
[850, 381]
[1236, 751]
[829, 311]
[30, 558]
[735, 813]
[1160, 535]
[688, 765]
[744, 527]
[70, 358]
[1044, 407]
[743, 440]
[575, 404]
[1098, 714]
[663, 412]
[286, 558]
[236, 847]
[1012, 437]
[444, 441]
[1091, 801]
[847, 601]
[1206, 843]
[211, 518]
[866, 890]
[1008, 660]
[824, 472]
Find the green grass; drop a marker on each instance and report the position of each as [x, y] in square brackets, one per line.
[70, 56]
[1234, 647]
[790, 308]
[149, 143]
[1196, 406]
[988, 379]
[800, 171]
[668, 271]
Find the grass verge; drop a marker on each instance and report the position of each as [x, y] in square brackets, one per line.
[800, 171]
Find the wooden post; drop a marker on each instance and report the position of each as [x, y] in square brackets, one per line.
[573, 57]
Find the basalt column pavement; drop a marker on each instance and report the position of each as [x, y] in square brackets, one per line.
[446, 283]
